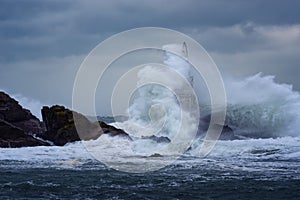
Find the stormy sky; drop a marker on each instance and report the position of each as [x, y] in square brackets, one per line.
[42, 43]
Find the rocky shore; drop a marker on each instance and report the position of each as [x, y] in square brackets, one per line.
[20, 128]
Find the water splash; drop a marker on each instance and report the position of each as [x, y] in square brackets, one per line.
[259, 107]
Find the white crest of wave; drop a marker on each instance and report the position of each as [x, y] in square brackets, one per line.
[155, 110]
[259, 89]
[260, 107]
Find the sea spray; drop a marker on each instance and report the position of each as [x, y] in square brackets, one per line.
[156, 108]
[163, 105]
[258, 107]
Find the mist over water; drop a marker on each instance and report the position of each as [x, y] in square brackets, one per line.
[258, 107]
[157, 109]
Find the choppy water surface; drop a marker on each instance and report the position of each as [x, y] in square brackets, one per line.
[255, 168]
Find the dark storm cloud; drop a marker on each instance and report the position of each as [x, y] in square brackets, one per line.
[59, 28]
[43, 41]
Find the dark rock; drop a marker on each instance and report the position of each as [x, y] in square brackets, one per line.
[226, 134]
[160, 139]
[113, 131]
[60, 126]
[12, 112]
[17, 125]
[156, 155]
[12, 136]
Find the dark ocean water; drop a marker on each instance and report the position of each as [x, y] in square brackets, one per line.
[93, 180]
[240, 169]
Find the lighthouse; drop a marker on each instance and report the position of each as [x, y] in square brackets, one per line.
[184, 50]
[185, 94]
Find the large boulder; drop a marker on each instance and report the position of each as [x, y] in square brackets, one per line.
[226, 134]
[60, 126]
[12, 136]
[12, 112]
[112, 131]
[17, 124]
[61, 129]
[158, 139]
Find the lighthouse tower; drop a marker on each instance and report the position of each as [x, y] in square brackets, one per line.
[185, 94]
[184, 52]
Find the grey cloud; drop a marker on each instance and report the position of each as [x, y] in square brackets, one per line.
[34, 28]
[248, 37]
[48, 80]
[43, 41]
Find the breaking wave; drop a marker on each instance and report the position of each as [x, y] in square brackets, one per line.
[258, 107]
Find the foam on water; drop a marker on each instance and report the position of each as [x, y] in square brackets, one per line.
[242, 155]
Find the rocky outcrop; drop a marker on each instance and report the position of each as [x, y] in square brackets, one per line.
[226, 134]
[155, 155]
[157, 139]
[112, 131]
[17, 124]
[60, 126]
[12, 136]
[12, 112]
[61, 129]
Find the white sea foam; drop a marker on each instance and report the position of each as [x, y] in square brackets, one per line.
[245, 155]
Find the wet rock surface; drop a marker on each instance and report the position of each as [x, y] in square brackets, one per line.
[12, 112]
[64, 126]
[12, 136]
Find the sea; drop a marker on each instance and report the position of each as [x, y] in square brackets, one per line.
[239, 169]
